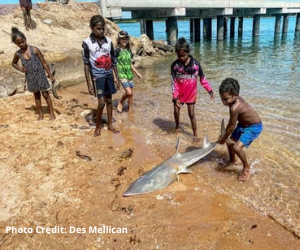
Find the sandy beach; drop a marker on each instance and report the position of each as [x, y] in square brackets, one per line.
[47, 185]
[62, 184]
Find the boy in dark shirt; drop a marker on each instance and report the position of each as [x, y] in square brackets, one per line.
[100, 65]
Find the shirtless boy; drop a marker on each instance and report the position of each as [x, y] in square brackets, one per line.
[246, 131]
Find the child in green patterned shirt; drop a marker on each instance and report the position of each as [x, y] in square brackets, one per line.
[125, 69]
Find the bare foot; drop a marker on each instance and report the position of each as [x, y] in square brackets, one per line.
[119, 107]
[196, 139]
[52, 117]
[234, 162]
[97, 132]
[40, 118]
[245, 174]
[227, 164]
[176, 130]
[115, 131]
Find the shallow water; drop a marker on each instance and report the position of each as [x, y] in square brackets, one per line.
[268, 71]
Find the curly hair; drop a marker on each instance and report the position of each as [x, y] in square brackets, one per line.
[230, 85]
[96, 19]
[182, 44]
[15, 33]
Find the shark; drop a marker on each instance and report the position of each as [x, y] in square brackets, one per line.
[167, 172]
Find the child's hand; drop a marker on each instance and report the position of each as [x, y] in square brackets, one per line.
[118, 82]
[176, 102]
[24, 69]
[221, 140]
[91, 89]
[139, 75]
[211, 93]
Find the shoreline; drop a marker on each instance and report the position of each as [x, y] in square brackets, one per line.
[47, 184]
[66, 190]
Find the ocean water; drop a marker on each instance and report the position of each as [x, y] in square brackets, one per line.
[268, 69]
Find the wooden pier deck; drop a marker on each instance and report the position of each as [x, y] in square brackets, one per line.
[222, 10]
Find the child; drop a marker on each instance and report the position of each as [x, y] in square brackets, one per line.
[185, 71]
[26, 6]
[248, 128]
[100, 64]
[125, 69]
[33, 65]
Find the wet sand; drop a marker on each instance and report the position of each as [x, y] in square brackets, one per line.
[45, 184]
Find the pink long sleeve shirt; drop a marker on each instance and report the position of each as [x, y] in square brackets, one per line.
[184, 80]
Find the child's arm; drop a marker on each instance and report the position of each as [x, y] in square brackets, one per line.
[116, 77]
[205, 84]
[135, 71]
[87, 69]
[88, 76]
[114, 65]
[15, 64]
[230, 126]
[175, 88]
[46, 67]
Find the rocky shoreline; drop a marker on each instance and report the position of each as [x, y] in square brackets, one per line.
[58, 32]
[6, 9]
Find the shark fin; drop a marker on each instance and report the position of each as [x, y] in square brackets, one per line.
[223, 131]
[177, 146]
[206, 142]
[184, 171]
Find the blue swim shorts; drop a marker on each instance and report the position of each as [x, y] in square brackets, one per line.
[128, 84]
[247, 134]
[105, 86]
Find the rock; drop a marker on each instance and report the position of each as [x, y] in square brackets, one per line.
[3, 91]
[147, 44]
[64, 26]
[162, 46]
[48, 21]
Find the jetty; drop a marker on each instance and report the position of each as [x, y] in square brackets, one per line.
[224, 11]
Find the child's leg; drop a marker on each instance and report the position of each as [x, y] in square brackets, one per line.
[25, 18]
[231, 152]
[238, 149]
[129, 93]
[120, 103]
[38, 103]
[191, 110]
[100, 107]
[47, 97]
[176, 116]
[28, 18]
[108, 101]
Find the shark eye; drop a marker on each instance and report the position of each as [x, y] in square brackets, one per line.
[150, 183]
